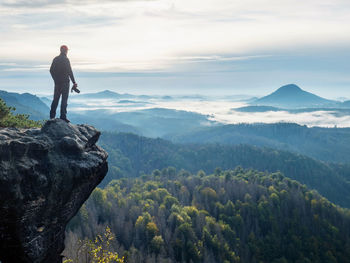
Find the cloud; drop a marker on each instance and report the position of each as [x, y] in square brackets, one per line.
[42, 3]
[207, 37]
[29, 3]
[220, 110]
[316, 118]
[148, 31]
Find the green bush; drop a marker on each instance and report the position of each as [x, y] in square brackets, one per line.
[8, 119]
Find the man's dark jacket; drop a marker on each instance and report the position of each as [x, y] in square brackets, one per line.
[61, 70]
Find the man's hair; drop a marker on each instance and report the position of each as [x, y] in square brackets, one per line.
[63, 48]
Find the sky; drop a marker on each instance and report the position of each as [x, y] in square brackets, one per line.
[207, 47]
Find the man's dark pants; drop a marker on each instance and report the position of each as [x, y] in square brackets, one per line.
[60, 89]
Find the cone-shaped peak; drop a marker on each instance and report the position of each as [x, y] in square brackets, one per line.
[289, 88]
[291, 96]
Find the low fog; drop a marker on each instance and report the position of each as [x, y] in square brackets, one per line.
[219, 110]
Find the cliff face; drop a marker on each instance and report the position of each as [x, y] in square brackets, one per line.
[45, 176]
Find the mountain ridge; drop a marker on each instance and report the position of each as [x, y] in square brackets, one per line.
[326, 144]
[132, 155]
[26, 103]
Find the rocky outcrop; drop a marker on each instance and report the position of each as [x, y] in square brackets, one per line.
[45, 176]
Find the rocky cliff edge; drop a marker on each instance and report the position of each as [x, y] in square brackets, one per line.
[45, 176]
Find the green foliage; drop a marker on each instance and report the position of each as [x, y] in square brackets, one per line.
[156, 244]
[4, 110]
[8, 119]
[251, 217]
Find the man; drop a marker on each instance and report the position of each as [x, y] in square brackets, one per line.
[61, 72]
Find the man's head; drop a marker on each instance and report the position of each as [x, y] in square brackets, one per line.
[64, 49]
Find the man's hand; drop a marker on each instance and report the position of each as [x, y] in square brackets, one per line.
[74, 88]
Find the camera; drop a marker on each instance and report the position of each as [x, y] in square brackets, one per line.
[74, 88]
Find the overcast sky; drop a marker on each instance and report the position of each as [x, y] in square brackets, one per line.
[182, 46]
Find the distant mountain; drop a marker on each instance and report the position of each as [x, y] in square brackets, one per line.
[155, 122]
[291, 96]
[26, 104]
[101, 122]
[167, 98]
[46, 100]
[346, 104]
[257, 109]
[107, 94]
[134, 103]
[158, 122]
[129, 101]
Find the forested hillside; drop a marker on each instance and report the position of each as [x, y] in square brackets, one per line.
[326, 144]
[132, 155]
[231, 216]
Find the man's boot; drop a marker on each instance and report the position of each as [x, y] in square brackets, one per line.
[65, 119]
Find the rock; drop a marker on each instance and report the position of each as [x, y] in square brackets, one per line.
[45, 176]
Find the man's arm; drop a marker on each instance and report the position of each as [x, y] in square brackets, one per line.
[53, 69]
[70, 72]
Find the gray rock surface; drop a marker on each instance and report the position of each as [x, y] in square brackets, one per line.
[45, 176]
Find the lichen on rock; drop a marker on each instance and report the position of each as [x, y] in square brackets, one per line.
[45, 176]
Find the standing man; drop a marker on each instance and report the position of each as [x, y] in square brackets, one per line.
[61, 72]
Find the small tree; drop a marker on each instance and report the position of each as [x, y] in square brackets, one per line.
[97, 251]
[7, 119]
[4, 110]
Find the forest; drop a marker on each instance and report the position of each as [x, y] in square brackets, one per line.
[229, 216]
[131, 155]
